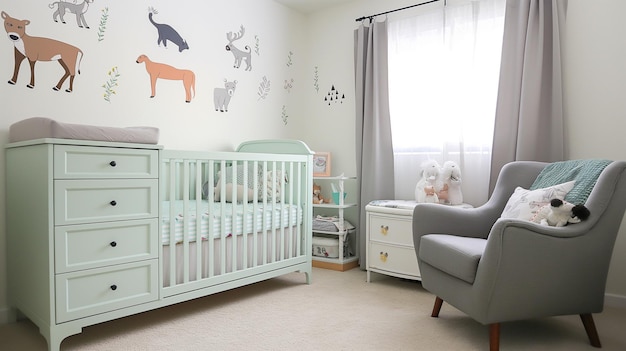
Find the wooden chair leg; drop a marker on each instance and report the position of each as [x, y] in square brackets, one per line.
[494, 337]
[437, 307]
[590, 328]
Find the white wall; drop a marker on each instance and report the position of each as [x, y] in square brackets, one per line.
[595, 100]
[194, 125]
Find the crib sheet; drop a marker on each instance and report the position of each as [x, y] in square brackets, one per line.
[267, 217]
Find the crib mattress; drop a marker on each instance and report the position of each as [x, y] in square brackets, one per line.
[41, 127]
[268, 217]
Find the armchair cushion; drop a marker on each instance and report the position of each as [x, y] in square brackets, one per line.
[524, 203]
[455, 255]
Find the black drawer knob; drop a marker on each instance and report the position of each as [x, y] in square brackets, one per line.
[113, 203]
[113, 287]
[113, 244]
[113, 163]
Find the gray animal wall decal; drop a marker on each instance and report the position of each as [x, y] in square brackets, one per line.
[158, 70]
[166, 32]
[41, 49]
[78, 10]
[240, 55]
[221, 96]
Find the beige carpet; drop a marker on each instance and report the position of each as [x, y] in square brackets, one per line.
[339, 311]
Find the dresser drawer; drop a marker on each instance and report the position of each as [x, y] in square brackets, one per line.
[85, 201]
[86, 246]
[391, 229]
[72, 162]
[394, 259]
[85, 293]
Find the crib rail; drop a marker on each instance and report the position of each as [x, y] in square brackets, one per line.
[227, 215]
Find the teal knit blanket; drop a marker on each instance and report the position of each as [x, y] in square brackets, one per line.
[584, 172]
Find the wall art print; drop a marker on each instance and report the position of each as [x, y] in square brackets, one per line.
[264, 88]
[316, 79]
[222, 96]
[240, 55]
[103, 23]
[333, 96]
[108, 86]
[167, 33]
[157, 70]
[284, 115]
[41, 49]
[289, 85]
[78, 10]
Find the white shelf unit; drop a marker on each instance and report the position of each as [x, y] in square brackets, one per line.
[341, 263]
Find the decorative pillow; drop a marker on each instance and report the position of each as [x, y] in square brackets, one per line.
[524, 203]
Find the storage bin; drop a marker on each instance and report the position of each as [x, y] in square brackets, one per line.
[325, 247]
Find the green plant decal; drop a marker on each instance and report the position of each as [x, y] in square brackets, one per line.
[112, 83]
[264, 88]
[316, 79]
[289, 59]
[103, 23]
[284, 115]
[256, 46]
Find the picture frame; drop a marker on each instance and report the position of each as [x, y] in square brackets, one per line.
[321, 164]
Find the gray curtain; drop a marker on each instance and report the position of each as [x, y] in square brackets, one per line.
[374, 150]
[529, 112]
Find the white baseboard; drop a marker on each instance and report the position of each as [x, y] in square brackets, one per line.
[614, 300]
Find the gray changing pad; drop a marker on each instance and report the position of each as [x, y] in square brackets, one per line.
[40, 127]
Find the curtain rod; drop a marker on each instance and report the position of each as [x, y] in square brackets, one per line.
[384, 13]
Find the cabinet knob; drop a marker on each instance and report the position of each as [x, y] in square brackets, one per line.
[113, 287]
[113, 163]
[383, 256]
[113, 203]
[384, 229]
[113, 244]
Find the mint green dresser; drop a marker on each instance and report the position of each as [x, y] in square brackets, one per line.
[82, 232]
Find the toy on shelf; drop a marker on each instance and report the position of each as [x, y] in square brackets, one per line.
[317, 195]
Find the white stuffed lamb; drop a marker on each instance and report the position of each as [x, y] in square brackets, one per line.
[429, 183]
[451, 178]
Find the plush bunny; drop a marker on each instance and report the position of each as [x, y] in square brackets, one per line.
[560, 213]
[429, 183]
[451, 178]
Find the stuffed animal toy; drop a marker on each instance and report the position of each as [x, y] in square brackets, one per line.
[317, 194]
[429, 183]
[451, 178]
[560, 213]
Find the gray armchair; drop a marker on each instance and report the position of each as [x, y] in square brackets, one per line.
[497, 270]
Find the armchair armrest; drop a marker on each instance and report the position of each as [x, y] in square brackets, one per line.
[557, 268]
[440, 219]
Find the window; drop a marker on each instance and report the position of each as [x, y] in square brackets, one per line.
[444, 65]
